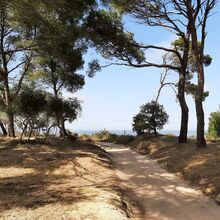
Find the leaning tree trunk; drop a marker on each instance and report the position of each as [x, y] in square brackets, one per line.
[4, 132]
[184, 109]
[62, 127]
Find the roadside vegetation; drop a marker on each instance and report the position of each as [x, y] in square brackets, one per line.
[200, 167]
[214, 126]
[107, 136]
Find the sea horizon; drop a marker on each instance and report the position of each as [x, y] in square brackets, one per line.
[130, 132]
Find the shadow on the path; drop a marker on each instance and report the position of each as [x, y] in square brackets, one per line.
[159, 194]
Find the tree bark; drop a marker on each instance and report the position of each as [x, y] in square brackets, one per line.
[10, 114]
[199, 107]
[155, 132]
[11, 129]
[4, 132]
[59, 118]
[184, 108]
[200, 124]
[198, 52]
[24, 130]
[62, 127]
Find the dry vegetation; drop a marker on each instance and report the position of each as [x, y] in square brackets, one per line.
[186, 160]
[58, 180]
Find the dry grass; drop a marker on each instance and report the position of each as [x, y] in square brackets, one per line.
[187, 160]
[58, 180]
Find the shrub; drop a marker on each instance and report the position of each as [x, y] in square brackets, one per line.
[124, 139]
[101, 135]
[214, 125]
[72, 137]
[85, 136]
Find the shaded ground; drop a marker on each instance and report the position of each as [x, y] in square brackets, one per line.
[159, 195]
[60, 180]
[186, 160]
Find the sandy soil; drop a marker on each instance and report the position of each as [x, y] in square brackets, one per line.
[60, 180]
[186, 160]
[158, 194]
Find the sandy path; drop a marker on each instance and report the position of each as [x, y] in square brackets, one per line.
[158, 194]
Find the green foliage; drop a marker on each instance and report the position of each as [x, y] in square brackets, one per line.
[36, 111]
[42, 37]
[85, 136]
[94, 67]
[179, 45]
[30, 103]
[101, 135]
[139, 124]
[30, 112]
[207, 60]
[214, 125]
[108, 36]
[60, 56]
[67, 109]
[107, 136]
[152, 117]
[121, 139]
[190, 88]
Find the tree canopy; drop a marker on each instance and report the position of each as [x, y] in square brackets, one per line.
[152, 117]
[186, 19]
[41, 40]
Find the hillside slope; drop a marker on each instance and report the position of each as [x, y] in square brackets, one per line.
[58, 180]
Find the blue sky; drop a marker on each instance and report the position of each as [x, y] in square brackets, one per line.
[113, 96]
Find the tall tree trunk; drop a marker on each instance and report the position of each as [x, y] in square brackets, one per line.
[155, 132]
[59, 119]
[10, 114]
[11, 129]
[198, 52]
[62, 127]
[4, 132]
[199, 107]
[184, 108]
[200, 124]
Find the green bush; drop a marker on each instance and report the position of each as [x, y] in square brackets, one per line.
[214, 125]
[124, 139]
[85, 136]
[120, 139]
[101, 135]
[72, 137]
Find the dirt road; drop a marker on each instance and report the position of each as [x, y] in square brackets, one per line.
[159, 195]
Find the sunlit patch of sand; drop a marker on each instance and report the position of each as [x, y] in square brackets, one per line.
[14, 172]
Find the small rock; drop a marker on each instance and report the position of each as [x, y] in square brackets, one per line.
[217, 199]
[203, 181]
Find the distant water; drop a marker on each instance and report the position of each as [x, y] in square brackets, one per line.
[130, 132]
[118, 132]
